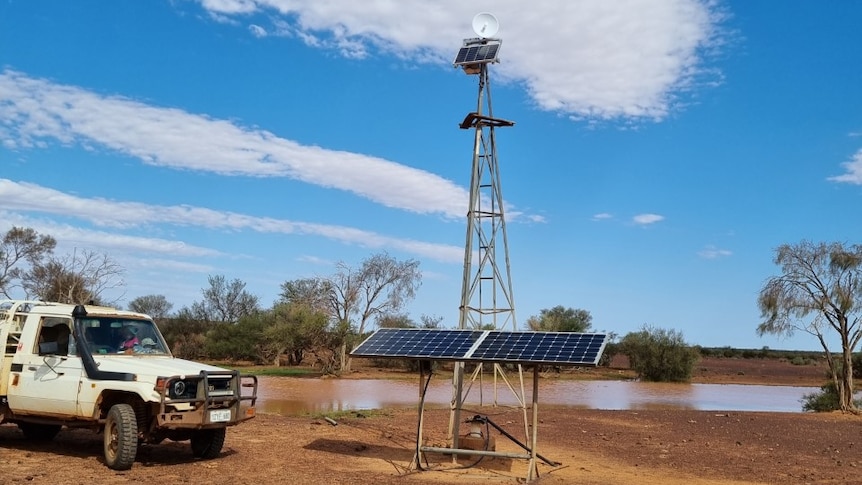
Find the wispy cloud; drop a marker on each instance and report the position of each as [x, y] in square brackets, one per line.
[34, 111]
[712, 252]
[602, 216]
[257, 31]
[647, 219]
[106, 213]
[629, 59]
[174, 266]
[305, 258]
[853, 167]
[72, 236]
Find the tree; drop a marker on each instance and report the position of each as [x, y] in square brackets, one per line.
[385, 285]
[225, 302]
[312, 292]
[659, 355]
[156, 306]
[21, 245]
[81, 277]
[380, 286]
[819, 291]
[430, 321]
[395, 321]
[185, 334]
[240, 340]
[294, 329]
[560, 319]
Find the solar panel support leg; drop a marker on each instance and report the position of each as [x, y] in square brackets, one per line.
[532, 469]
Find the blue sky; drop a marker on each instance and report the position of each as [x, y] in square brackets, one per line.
[661, 151]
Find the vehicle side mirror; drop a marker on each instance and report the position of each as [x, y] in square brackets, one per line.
[49, 348]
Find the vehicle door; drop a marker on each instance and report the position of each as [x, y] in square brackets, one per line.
[48, 375]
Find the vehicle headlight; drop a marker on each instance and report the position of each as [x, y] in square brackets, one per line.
[182, 389]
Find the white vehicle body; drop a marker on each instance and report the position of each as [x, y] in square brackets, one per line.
[111, 370]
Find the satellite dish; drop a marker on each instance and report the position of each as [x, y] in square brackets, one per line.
[485, 25]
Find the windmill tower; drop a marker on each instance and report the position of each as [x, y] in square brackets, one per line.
[487, 301]
[486, 291]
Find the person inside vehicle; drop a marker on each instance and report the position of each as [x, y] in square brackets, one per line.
[129, 339]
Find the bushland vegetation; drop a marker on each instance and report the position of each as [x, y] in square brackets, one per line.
[315, 321]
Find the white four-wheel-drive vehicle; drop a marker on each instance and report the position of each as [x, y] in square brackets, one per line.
[111, 371]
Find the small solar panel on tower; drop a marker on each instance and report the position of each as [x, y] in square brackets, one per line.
[477, 53]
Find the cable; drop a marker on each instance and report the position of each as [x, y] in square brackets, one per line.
[422, 365]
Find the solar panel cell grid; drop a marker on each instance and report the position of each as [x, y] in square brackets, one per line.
[477, 53]
[391, 342]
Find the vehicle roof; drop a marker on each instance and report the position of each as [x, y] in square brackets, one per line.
[47, 307]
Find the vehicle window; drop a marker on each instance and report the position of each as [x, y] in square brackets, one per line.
[122, 336]
[54, 336]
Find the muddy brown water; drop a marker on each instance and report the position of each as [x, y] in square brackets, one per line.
[291, 396]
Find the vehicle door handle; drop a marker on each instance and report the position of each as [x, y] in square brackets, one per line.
[31, 368]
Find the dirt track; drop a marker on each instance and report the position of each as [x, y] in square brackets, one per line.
[595, 447]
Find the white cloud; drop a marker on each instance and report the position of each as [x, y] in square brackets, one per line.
[257, 31]
[854, 170]
[712, 252]
[629, 59]
[647, 219]
[174, 266]
[35, 110]
[602, 216]
[79, 237]
[230, 6]
[305, 258]
[34, 198]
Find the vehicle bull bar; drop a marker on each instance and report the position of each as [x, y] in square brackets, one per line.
[210, 407]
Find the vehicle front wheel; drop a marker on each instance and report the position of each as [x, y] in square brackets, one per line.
[121, 437]
[39, 432]
[207, 443]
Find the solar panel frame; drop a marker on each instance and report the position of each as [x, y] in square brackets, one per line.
[554, 348]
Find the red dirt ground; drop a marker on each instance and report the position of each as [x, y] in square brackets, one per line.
[595, 447]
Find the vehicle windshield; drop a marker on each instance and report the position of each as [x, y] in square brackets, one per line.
[113, 335]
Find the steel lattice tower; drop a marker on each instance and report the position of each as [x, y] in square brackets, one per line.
[487, 302]
[486, 292]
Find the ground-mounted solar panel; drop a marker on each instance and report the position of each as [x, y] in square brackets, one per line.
[557, 348]
[418, 344]
[560, 348]
[477, 53]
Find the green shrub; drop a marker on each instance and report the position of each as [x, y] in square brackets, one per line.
[729, 352]
[824, 400]
[235, 341]
[611, 349]
[750, 354]
[857, 366]
[659, 355]
[799, 360]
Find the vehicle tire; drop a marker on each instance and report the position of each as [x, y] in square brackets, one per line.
[207, 443]
[121, 437]
[39, 432]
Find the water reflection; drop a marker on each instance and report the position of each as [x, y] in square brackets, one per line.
[288, 395]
